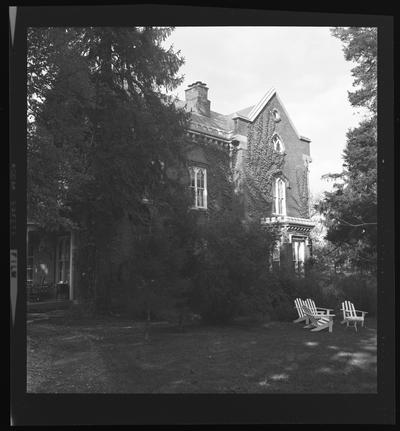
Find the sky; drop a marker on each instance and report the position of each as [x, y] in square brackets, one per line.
[305, 65]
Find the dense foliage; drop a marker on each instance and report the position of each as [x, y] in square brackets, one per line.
[350, 210]
[101, 134]
[230, 260]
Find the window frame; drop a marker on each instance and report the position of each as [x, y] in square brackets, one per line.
[279, 181]
[193, 173]
[298, 264]
[63, 261]
[276, 137]
[276, 255]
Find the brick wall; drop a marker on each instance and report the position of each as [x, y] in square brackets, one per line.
[294, 168]
[217, 163]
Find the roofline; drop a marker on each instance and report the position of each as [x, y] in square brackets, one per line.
[261, 105]
[236, 115]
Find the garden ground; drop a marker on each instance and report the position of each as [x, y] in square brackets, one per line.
[112, 356]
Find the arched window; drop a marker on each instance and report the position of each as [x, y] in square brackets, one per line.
[280, 197]
[278, 144]
[198, 184]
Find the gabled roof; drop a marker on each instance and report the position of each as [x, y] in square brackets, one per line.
[251, 113]
[221, 126]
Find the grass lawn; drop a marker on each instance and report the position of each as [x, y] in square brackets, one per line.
[111, 355]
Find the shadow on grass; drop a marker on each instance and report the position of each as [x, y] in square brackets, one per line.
[241, 358]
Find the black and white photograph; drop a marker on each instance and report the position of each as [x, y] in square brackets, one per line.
[200, 213]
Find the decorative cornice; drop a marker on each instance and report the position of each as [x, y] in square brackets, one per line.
[211, 130]
[292, 222]
[203, 138]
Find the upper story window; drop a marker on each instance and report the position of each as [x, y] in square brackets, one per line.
[278, 144]
[276, 115]
[280, 197]
[198, 184]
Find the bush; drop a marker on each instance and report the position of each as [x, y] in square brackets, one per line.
[230, 258]
[361, 290]
[330, 291]
[214, 296]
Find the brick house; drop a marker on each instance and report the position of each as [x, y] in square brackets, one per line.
[257, 151]
[269, 166]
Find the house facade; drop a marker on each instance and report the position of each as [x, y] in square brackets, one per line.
[267, 161]
[256, 151]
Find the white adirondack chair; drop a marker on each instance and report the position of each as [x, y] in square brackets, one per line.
[350, 314]
[319, 322]
[317, 311]
[298, 304]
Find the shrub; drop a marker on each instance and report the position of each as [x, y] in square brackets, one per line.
[361, 290]
[214, 296]
[230, 258]
[330, 290]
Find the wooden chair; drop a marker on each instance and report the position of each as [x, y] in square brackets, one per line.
[317, 311]
[298, 305]
[350, 314]
[319, 322]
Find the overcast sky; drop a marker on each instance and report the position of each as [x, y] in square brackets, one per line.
[305, 65]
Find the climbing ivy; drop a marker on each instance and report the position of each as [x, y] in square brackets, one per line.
[302, 191]
[262, 164]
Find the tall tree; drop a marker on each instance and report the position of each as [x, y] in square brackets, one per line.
[351, 208]
[104, 131]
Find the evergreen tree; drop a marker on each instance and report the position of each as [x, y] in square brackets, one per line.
[351, 208]
[104, 132]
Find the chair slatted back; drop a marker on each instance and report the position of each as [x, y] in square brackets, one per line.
[311, 305]
[348, 309]
[319, 321]
[299, 306]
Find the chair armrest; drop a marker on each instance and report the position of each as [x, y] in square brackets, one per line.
[322, 308]
[362, 312]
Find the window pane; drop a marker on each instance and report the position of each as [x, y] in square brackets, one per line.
[200, 178]
[280, 189]
[200, 198]
[194, 195]
[192, 177]
[295, 250]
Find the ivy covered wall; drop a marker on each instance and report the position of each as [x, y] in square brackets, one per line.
[259, 164]
[216, 160]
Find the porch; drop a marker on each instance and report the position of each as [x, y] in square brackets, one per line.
[49, 271]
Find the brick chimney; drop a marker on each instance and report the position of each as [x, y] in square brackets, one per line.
[196, 99]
